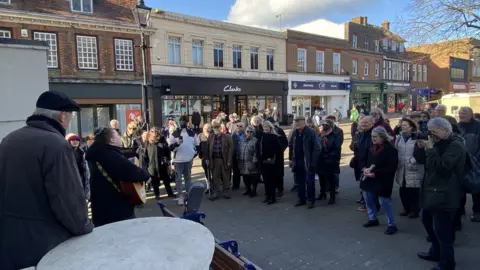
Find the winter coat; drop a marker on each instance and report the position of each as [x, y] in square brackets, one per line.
[408, 170]
[247, 159]
[386, 162]
[361, 149]
[158, 158]
[129, 141]
[280, 162]
[203, 148]
[330, 154]
[196, 119]
[83, 171]
[269, 148]
[108, 204]
[311, 149]
[471, 133]
[227, 149]
[386, 126]
[444, 167]
[341, 137]
[42, 202]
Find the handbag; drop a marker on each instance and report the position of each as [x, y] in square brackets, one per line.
[133, 191]
[268, 161]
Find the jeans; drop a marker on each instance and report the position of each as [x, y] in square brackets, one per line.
[386, 203]
[305, 180]
[439, 226]
[185, 169]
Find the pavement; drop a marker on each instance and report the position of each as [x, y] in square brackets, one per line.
[283, 237]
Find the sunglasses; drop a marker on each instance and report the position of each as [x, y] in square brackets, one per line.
[249, 131]
[216, 127]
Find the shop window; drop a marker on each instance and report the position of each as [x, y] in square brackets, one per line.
[73, 126]
[86, 121]
[218, 55]
[123, 114]
[253, 58]
[103, 116]
[256, 104]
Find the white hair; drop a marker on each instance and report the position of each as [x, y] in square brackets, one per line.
[439, 123]
[271, 126]
[256, 119]
[55, 115]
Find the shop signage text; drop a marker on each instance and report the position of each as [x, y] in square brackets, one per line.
[459, 86]
[229, 88]
[367, 88]
[318, 85]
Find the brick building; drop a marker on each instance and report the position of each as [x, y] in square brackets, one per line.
[93, 56]
[454, 66]
[420, 71]
[318, 72]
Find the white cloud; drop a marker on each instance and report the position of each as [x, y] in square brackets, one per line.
[263, 13]
[323, 27]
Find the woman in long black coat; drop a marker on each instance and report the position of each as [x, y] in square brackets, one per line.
[158, 157]
[378, 181]
[108, 203]
[269, 145]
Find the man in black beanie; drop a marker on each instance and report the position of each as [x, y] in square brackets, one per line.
[41, 192]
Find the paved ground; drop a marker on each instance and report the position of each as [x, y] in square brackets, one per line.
[326, 237]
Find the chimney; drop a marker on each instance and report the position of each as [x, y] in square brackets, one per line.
[360, 20]
[365, 21]
[386, 25]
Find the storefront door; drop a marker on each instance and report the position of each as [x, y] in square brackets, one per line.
[240, 104]
[220, 104]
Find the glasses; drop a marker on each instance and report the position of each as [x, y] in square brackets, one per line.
[249, 131]
[216, 127]
[240, 126]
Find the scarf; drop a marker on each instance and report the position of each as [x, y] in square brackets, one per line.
[325, 136]
[376, 148]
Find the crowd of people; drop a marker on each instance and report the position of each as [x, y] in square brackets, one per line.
[426, 155]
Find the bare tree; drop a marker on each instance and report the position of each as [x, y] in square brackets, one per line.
[440, 21]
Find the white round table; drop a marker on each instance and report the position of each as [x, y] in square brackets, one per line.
[143, 243]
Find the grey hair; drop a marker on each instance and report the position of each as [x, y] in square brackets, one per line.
[441, 107]
[440, 123]
[256, 119]
[271, 126]
[468, 109]
[55, 115]
[249, 128]
[382, 132]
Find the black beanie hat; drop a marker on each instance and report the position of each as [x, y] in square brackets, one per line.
[56, 101]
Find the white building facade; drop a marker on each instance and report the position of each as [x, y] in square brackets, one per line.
[211, 66]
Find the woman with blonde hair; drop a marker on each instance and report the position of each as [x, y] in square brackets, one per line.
[157, 158]
[269, 145]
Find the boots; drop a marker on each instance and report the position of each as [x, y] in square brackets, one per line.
[332, 198]
[322, 196]
[253, 190]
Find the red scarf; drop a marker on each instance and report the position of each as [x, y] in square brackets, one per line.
[325, 136]
[376, 148]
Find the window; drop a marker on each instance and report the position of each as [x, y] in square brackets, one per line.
[377, 69]
[456, 73]
[424, 73]
[419, 73]
[124, 54]
[475, 71]
[336, 63]
[302, 60]
[404, 73]
[51, 39]
[253, 58]
[270, 58]
[174, 51]
[237, 56]
[320, 61]
[4, 2]
[354, 67]
[5, 33]
[366, 68]
[377, 45]
[384, 70]
[401, 47]
[82, 6]
[385, 44]
[87, 52]
[354, 41]
[197, 53]
[394, 45]
[218, 55]
[414, 71]
[366, 43]
[389, 70]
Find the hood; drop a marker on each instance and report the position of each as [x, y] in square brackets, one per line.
[98, 152]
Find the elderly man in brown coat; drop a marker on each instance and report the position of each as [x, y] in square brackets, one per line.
[219, 160]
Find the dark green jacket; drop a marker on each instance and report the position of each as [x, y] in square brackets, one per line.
[444, 167]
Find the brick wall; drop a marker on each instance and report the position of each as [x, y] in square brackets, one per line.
[66, 38]
[363, 57]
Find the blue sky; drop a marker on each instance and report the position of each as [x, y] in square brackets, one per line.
[294, 12]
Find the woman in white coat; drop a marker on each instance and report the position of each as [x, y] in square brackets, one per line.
[409, 173]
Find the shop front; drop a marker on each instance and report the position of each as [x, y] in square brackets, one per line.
[397, 97]
[458, 87]
[101, 103]
[420, 97]
[366, 95]
[175, 96]
[309, 94]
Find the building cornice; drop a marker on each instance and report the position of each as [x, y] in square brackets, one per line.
[187, 19]
[15, 16]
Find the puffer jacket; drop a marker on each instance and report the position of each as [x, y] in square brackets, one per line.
[408, 168]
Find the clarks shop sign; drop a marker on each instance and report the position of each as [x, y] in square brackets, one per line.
[230, 88]
[318, 85]
[216, 86]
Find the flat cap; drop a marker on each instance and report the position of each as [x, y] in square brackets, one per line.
[299, 118]
[56, 101]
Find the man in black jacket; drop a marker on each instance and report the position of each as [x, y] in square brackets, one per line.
[304, 151]
[279, 162]
[337, 130]
[42, 203]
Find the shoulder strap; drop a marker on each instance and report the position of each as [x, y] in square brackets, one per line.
[105, 174]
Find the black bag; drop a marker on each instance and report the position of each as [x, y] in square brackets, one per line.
[471, 179]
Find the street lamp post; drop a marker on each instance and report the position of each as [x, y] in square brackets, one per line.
[142, 17]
